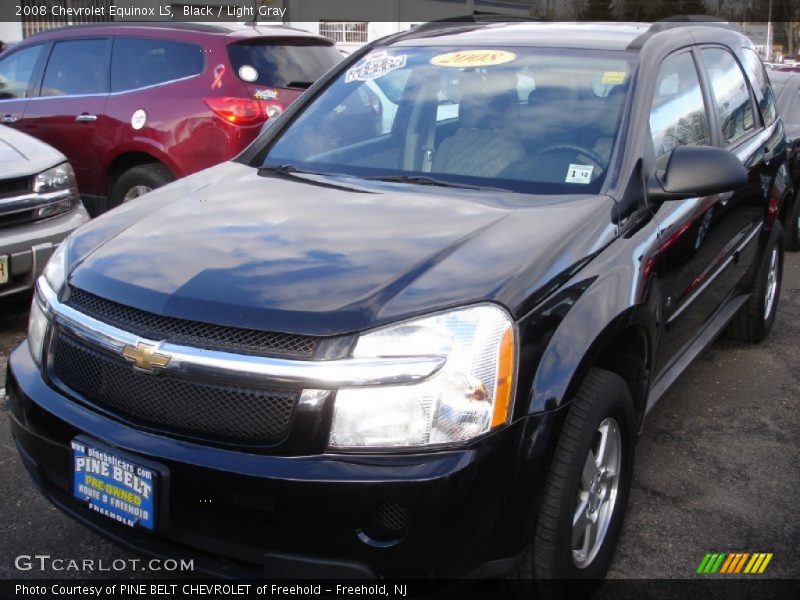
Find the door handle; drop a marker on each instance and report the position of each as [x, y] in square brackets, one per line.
[9, 119]
[86, 118]
[725, 197]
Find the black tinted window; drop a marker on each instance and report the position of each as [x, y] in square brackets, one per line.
[678, 115]
[731, 94]
[15, 72]
[758, 78]
[282, 64]
[140, 62]
[788, 100]
[76, 67]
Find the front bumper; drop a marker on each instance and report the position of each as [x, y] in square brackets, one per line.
[465, 512]
[30, 246]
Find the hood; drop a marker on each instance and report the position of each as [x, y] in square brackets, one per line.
[21, 155]
[324, 256]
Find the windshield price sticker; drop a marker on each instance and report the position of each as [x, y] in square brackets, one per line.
[473, 58]
[613, 77]
[579, 174]
[374, 66]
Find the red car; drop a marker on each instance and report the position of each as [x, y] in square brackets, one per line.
[134, 107]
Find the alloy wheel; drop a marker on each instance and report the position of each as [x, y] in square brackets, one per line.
[772, 284]
[597, 493]
[135, 192]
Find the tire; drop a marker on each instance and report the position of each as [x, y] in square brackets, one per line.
[151, 176]
[793, 226]
[551, 567]
[755, 319]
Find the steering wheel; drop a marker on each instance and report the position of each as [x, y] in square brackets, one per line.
[579, 150]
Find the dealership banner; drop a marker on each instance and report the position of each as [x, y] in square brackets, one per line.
[413, 11]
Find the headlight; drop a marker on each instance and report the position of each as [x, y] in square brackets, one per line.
[60, 178]
[56, 270]
[37, 327]
[469, 396]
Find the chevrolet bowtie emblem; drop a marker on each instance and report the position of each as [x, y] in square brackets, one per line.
[145, 356]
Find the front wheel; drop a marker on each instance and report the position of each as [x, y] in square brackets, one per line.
[586, 492]
[755, 319]
[138, 181]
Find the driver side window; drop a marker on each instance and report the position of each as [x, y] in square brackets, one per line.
[678, 114]
[16, 71]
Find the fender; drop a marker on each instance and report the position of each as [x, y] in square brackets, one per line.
[778, 189]
[562, 337]
[620, 294]
[142, 145]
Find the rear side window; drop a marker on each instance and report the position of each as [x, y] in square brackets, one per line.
[761, 87]
[141, 62]
[281, 63]
[15, 72]
[788, 101]
[731, 94]
[678, 114]
[76, 67]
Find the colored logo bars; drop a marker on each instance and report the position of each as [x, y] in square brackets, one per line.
[734, 563]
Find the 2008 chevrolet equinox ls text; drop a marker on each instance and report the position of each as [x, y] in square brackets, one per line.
[424, 350]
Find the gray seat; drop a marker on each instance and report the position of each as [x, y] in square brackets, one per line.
[483, 145]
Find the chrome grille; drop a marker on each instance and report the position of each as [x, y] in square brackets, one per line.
[192, 333]
[174, 405]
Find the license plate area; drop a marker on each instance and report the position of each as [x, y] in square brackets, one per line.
[121, 488]
[4, 274]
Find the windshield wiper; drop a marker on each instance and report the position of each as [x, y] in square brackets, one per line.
[423, 180]
[286, 170]
[292, 172]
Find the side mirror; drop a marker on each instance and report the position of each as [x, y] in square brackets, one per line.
[694, 171]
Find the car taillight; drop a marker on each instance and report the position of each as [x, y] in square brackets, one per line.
[243, 111]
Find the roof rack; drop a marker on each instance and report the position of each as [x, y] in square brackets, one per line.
[688, 20]
[476, 18]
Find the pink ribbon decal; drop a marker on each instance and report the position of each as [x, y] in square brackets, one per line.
[219, 71]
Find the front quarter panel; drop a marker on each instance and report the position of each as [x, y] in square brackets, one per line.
[613, 293]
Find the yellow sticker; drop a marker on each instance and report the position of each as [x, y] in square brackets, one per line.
[473, 58]
[613, 77]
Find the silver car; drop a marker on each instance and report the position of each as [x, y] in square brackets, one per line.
[39, 207]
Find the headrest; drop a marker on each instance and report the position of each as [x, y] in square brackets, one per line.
[486, 98]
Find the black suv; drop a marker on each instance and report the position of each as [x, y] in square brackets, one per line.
[422, 348]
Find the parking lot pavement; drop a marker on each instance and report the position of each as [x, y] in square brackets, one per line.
[718, 465]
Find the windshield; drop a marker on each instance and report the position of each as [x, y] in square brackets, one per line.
[524, 119]
[282, 63]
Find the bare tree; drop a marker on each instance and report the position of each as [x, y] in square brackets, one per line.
[789, 15]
